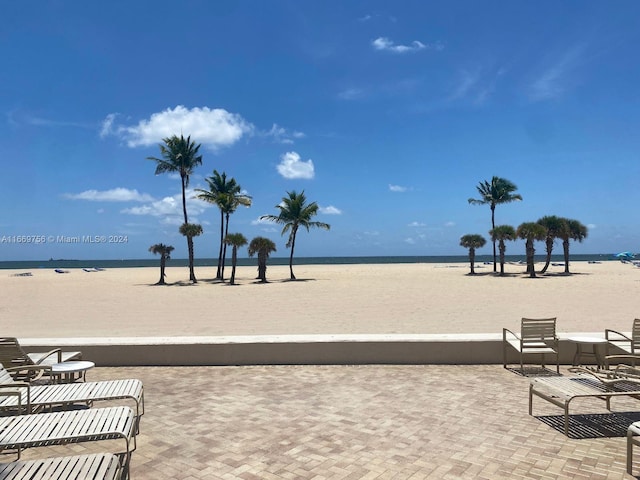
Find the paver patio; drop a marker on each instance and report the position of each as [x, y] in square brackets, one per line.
[362, 422]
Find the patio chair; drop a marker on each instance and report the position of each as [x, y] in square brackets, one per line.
[537, 336]
[19, 432]
[95, 466]
[23, 397]
[13, 355]
[624, 342]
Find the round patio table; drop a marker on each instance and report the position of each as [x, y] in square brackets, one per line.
[595, 352]
[67, 372]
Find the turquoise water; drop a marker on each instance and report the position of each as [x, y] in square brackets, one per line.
[154, 262]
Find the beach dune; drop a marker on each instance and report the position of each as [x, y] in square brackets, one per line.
[327, 299]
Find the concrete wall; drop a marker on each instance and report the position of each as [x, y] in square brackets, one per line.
[294, 349]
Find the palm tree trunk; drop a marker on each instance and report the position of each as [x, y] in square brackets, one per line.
[548, 259]
[192, 275]
[501, 248]
[219, 271]
[234, 259]
[493, 227]
[565, 247]
[262, 267]
[163, 261]
[530, 256]
[472, 258]
[293, 245]
[224, 251]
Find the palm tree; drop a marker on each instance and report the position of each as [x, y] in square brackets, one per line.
[263, 247]
[191, 230]
[226, 194]
[180, 155]
[531, 232]
[555, 227]
[502, 233]
[574, 231]
[235, 240]
[165, 254]
[472, 241]
[295, 213]
[499, 190]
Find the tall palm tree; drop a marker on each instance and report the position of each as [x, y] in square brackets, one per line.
[502, 233]
[165, 254]
[472, 241]
[191, 230]
[263, 247]
[180, 155]
[555, 227]
[235, 240]
[574, 231]
[294, 213]
[496, 192]
[227, 196]
[531, 231]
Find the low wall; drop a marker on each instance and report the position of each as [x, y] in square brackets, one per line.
[293, 349]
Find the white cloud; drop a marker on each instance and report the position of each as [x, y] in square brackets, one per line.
[417, 224]
[171, 208]
[330, 210]
[556, 78]
[351, 94]
[385, 45]
[591, 226]
[410, 241]
[261, 221]
[291, 166]
[397, 188]
[214, 128]
[113, 195]
[450, 224]
[282, 135]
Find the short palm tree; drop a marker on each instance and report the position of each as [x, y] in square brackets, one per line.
[472, 241]
[191, 230]
[263, 247]
[531, 231]
[496, 192]
[574, 231]
[180, 155]
[227, 196]
[294, 213]
[235, 240]
[555, 227]
[502, 233]
[165, 254]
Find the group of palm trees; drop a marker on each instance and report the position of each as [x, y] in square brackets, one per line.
[547, 229]
[181, 155]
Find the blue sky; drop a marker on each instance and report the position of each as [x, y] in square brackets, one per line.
[387, 114]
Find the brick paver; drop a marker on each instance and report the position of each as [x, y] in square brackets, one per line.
[372, 422]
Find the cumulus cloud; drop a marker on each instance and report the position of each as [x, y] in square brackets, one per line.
[330, 210]
[410, 241]
[113, 195]
[385, 45]
[171, 208]
[212, 127]
[291, 166]
[397, 188]
[282, 135]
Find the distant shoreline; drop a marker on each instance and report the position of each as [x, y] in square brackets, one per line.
[207, 262]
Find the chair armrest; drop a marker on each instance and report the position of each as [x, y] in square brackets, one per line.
[52, 352]
[34, 372]
[506, 331]
[609, 332]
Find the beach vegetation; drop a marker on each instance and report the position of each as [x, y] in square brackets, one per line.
[180, 155]
[227, 195]
[501, 234]
[295, 213]
[191, 230]
[165, 254]
[472, 241]
[262, 247]
[235, 240]
[498, 191]
[555, 227]
[531, 232]
[574, 231]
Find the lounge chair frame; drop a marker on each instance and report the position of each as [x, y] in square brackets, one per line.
[537, 336]
[13, 355]
[71, 426]
[626, 343]
[95, 466]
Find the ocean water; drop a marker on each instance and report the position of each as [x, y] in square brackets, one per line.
[200, 262]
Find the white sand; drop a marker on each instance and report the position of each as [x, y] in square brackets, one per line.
[327, 299]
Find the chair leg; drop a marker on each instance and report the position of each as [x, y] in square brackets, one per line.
[629, 452]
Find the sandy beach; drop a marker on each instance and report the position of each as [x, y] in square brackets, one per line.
[326, 299]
